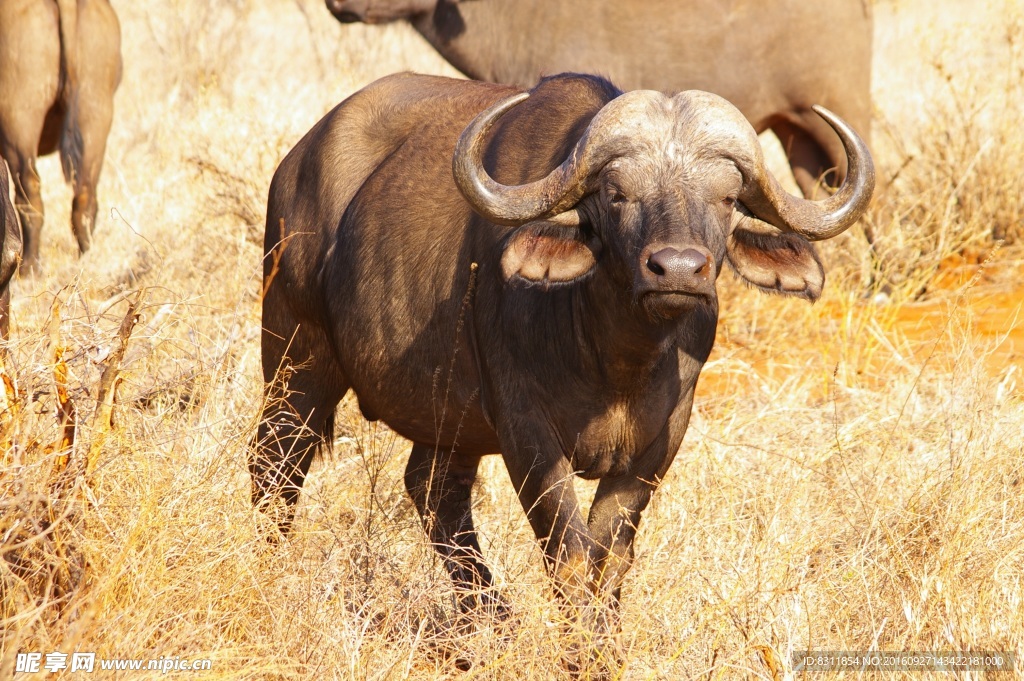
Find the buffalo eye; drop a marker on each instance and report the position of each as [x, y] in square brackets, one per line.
[729, 202]
[616, 198]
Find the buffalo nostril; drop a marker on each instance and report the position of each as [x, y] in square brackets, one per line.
[655, 267]
[664, 262]
[689, 261]
[696, 262]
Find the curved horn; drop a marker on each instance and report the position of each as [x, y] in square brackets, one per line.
[518, 204]
[817, 220]
[617, 125]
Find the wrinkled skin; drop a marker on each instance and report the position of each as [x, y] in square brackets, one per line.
[55, 99]
[773, 60]
[10, 251]
[570, 344]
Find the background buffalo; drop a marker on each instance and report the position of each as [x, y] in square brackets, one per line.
[60, 63]
[773, 60]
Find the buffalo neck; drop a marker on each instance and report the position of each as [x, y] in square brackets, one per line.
[596, 327]
[518, 41]
[626, 340]
[485, 42]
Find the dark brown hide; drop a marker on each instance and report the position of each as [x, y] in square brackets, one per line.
[569, 346]
[772, 59]
[60, 63]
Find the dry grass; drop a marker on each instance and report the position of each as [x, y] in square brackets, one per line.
[949, 87]
[848, 481]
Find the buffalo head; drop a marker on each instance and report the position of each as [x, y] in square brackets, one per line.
[669, 188]
[378, 11]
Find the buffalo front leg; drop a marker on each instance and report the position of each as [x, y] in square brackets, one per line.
[613, 521]
[10, 255]
[5, 318]
[440, 484]
[544, 483]
[543, 479]
[620, 501]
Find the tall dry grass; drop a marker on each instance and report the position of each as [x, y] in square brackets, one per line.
[844, 485]
[949, 87]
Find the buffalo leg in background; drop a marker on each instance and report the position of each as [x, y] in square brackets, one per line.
[28, 201]
[100, 74]
[84, 206]
[815, 153]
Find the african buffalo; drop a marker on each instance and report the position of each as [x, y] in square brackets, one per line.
[772, 59]
[10, 251]
[558, 314]
[60, 63]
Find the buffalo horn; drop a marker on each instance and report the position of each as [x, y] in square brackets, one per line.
[551, 196]
[816, 220]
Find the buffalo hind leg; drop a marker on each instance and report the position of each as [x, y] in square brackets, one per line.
[83, 213]
[297, 420]
[94, 119]
[99, 76]
[440, 485]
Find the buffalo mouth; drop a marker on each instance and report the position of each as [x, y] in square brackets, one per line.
[671, 303]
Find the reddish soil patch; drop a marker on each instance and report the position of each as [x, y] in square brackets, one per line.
[969, 297]
[971, 313]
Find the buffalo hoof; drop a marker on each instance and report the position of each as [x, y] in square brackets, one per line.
[598, 660]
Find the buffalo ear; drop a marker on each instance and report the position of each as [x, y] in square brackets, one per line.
[777, 263]
[546, 252]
